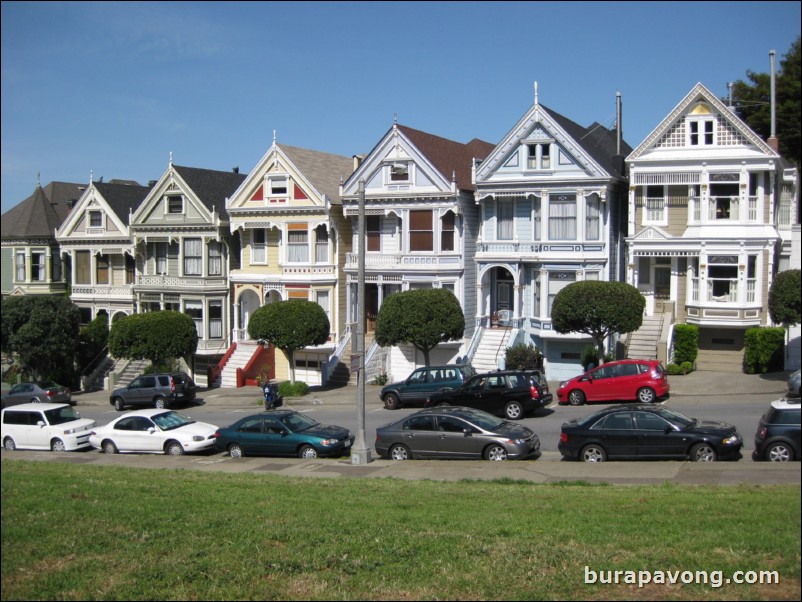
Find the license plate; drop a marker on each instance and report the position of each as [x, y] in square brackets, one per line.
[347, 443]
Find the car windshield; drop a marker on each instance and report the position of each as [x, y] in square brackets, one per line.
[61, 415]
[481, 419]
[297, 422]
[171, 420]
[676, 418]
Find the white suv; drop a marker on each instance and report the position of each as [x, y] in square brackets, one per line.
[53, 426]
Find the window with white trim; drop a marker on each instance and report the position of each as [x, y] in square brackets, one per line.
[447, 231]
[215, 258]
[298, 246]
[19, 263]
[175, 205]
[193, 257]
[399, 172]
[701, 131]
[95, 219]
[215, 319]
[277, 185]
[421, 234]
[258, 246]
[655, 206]
[592, 218]
[504, 219]
[562, 217]
[194, 309]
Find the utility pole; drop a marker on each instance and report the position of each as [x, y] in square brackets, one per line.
[360, 453]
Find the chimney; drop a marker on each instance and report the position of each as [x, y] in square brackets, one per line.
[773, 142]
[235, 169]
[358, 161]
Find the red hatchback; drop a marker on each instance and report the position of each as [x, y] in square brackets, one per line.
[623, 380]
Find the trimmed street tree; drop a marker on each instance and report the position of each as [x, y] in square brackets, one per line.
[290, 325]
[785, 298]
[598, 309]
[154, 336]
[42, 332]
[424, 318]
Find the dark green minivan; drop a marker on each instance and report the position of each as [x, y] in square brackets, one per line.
[423, 382]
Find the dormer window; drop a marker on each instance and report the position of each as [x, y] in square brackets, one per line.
[539, 156]
[95, 219]
[175, 205]
[701, 126]
[277, 185]
[399, 172]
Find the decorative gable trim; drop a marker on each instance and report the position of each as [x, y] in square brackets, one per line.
[652, 233]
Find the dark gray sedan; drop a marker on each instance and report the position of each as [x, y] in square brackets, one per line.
[40, 392]
[456, 432]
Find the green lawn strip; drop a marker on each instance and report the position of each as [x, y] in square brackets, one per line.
[77, 532]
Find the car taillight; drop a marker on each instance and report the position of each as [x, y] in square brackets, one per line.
[533, 390]
[50, 393]
[216, 434]
[172, 384]
[563, 438]
[762, 432]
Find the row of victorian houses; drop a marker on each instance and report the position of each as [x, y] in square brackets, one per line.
[699, 217]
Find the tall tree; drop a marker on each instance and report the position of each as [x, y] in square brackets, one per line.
[598, 309]
[154, 336]
[290, 325]
[752, 100]
[785, 298]
[424, 318]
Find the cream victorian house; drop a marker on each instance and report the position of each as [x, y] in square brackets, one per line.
[288, 216]
[711, 209]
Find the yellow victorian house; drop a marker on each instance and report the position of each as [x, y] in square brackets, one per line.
[293, 240]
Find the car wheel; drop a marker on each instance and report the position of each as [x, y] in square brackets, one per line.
[235, 451]
[779, 452]
[576, 398]
[160, 403]
[593, 453]
[119, 404]
[514, 411]
[307, 452]
[57, 445]
[496, 453]
[646, 395]
[391, 401]
[36, 400]
[109, 447]
[9, 444]
[703, 452]
[173, 448]
[400, 452]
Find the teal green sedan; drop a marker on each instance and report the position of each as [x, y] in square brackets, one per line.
[283, 433]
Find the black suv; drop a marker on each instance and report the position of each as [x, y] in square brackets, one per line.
[778, 433]
[155, 390]
[509, 393]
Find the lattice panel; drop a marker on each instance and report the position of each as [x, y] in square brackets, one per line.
[728, 135]
[675, 137]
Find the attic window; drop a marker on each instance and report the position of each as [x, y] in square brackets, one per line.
[277, 185]
[701, 132]
[539, 156]
[399, 172]
[95, 219]
[175, 205]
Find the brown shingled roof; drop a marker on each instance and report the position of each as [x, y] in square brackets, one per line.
[40, 214]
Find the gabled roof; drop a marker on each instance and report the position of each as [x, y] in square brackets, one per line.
[323, 170]
[449, 157]
[212, 187]
[122, 198]
[40, 214]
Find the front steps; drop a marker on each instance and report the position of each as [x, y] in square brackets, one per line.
[492, 347]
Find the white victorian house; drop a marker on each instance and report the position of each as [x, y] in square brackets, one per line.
[421, 226]
[711, 209]
[552, 197]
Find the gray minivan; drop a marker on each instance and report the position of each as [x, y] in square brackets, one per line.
[155, 390]
[417, 387]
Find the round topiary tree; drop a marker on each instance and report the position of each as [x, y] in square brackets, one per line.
[154, 336]
[785, 298]
[598, 309]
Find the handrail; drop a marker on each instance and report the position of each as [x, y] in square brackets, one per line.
[212, 372]
[103, 353]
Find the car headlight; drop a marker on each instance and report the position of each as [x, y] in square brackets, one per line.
[70, 431]
[328, 442]
[198, 438]
[514, 441]
[731, 440]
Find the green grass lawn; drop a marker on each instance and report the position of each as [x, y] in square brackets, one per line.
[74, 532]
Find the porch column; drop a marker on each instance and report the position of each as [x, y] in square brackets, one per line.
[544, 294]
[517, 298]
[235, 328]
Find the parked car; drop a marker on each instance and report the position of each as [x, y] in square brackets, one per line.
[511, 393]
[793, 385]
[778, 434]
[153, 432]
[417, 387]
[647, 431]
[39, 392]
[458, 433]
[53, 426]
[644, 381]
[283, 433]
[155, 390]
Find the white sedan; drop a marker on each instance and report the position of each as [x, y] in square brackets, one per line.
[153, 432]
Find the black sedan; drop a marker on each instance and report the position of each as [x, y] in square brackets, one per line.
[283, 433]
[649, 432]
[455, 432]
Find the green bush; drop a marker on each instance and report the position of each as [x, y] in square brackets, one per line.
[764, 350]
[686, 343]
[523, 357]
[687, 367]
[673, 369]
[590, 355]
[296, 389]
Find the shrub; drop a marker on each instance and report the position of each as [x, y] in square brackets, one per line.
[590, 355]
[296, 389]
[687, 367]
[523, 357]
[763, 350]
[673, 369]
[381, 379]
[686, 343]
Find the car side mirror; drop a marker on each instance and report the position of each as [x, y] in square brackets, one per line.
[152, 430]
[40, 424]
[468, 432]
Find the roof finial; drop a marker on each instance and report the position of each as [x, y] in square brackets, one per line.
[171, 158]
[91, 176]
[536, 100]
[38, 180]
[274, 137]
[395, 118]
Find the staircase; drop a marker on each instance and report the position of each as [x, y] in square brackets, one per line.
[98, 376]
[242, 354]
[491, 349]
[643, 342]
[130, 372]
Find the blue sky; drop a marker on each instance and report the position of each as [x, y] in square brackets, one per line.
[115, 87]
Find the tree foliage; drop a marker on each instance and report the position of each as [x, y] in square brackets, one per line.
[752, 101]
[290, 325]
[42, 332]
[423, 318]
[154, 336]
[785, 298]
[598, 309]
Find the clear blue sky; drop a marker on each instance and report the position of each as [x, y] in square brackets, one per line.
[115, 87]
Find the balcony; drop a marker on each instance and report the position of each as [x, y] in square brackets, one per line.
[537, 250]
[110, 292]
[403, 262]
[723, 301]
[164, 281]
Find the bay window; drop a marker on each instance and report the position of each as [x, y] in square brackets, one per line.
[562, 217]
[421, 234]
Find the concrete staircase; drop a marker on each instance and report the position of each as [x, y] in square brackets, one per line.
[491, 349]
[643, 342]
[242, 354]
[130, 372]
[720, 360]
